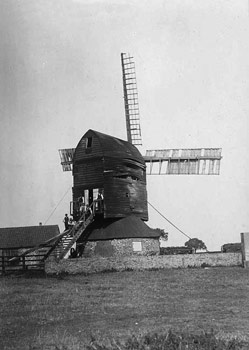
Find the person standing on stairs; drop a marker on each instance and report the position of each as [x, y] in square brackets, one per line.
[66, 220]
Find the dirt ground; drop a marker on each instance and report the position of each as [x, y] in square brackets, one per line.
[119, 304]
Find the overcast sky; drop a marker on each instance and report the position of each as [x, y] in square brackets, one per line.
[60, 75]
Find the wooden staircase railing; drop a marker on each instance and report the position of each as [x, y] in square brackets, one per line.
[76, 232]
[57, 244]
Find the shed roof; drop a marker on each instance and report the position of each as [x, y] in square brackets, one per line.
[26, 237]
[128, 227]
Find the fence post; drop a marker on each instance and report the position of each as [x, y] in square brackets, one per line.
[23, 263]
[3, 266]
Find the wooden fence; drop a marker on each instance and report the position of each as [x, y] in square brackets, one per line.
[15, 263]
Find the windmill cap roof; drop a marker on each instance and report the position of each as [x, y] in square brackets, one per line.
[113, 146]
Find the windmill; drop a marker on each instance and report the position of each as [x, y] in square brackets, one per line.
[103, 165]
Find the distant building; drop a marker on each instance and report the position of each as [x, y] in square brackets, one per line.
[12, 239]
[231, 248]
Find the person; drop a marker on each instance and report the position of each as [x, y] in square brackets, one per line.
[89, 210]
[81, 200]
[82, 205]
[82, 209]
[73, 253]
[100, 195]
[71, 222]
[100, 201]
[66, 221]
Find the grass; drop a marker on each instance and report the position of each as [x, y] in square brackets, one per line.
[75, 312]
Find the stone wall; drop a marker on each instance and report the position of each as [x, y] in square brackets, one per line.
[121, 247]
[99, 264]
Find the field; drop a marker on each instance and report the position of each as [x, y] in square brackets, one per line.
[65, 312]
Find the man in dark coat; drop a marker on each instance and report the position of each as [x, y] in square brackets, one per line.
[66, 220]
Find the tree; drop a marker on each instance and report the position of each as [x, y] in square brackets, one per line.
[195, 244]
[163, 234]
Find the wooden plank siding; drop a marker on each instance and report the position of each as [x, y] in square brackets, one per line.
[103, 161]
[124, 197]
[87, 166]
[89, 175]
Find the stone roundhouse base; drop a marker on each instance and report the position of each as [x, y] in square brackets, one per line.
[122, 247]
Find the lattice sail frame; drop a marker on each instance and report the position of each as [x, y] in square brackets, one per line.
[131, 100]
[191, 161]
[66, 156]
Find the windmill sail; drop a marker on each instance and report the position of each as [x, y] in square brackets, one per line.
[192, 161]
[66, 156]
[131, 100]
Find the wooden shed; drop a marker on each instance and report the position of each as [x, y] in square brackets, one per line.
[15, 240]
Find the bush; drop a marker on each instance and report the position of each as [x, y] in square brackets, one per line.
[175, 250]
[205, 265]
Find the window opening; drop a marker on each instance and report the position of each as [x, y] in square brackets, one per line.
[89, 141]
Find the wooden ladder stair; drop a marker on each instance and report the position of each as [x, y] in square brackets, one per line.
[75, 233]
[62, 243]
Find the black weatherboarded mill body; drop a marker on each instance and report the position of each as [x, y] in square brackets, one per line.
[109, 176]
[114, 168]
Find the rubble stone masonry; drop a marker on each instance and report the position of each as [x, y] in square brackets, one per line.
[122, 247]
[121, 263]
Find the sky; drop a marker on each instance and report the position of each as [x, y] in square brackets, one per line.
[60, 75]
